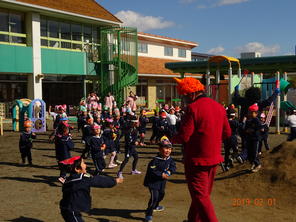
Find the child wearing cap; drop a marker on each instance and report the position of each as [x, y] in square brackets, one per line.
[163, 126]
[97, 147]
[143, 120]
[231, 144]
[63, 145]
[252, 130]
[159, 169]
[87, 133]
[291, 122]
[76, 190]
[263, 134]
[154, 120]
[109, 136]
[26, 142]
[172, 121]
[131, 142]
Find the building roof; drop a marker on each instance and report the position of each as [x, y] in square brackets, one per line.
[155, 66]
[201, 55]
[167, 40]
[83, 7]
[258, 65]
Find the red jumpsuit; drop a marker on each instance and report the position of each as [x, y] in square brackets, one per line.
[202, 130]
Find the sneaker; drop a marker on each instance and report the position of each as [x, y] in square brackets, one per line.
[260, 153]
[253, 166]
[148, 219]
[256, 169]
[119, 175]
[118, 162]
[159, 208]
[112, 165]
[61, 180]
[239, 159]
[134, 172]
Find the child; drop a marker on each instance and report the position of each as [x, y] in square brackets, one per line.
[158, 171]
[154, 120]
[172, 121]
[76, 190]
[263, 134]
[87, 134]
[117, 130]
[163, 126]
[97, 147]
[143, 120]
[291, 121]
[231, 142]
[252, 130]
[63, 145]
[131, 142]
[26, 142]
[81, 120]
[109, 137]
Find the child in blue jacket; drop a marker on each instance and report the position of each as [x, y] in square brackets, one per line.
[26, 142]
[63, 145]
[158, 171]
[76, 190]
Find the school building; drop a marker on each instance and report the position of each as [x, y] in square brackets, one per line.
[155, 82]
[61, 50]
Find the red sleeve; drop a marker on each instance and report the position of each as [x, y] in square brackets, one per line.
[186, 129]
[226, 129]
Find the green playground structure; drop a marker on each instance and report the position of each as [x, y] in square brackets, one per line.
[231, 68]
[119, 61]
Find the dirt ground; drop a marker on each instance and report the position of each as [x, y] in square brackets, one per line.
[32, 193]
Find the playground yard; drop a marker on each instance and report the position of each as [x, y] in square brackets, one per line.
[32, 194]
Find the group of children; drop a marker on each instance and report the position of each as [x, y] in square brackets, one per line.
[253, 131]
[101, 134]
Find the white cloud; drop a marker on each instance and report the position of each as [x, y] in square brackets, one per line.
[259, 47]
[186, 1]
[230, 2]
[216, 50]
[142, 22]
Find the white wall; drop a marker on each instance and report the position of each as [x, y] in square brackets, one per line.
[156, 50]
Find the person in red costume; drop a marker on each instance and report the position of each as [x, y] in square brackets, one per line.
[202, 130]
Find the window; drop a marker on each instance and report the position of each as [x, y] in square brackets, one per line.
[168, 51]
[76, 35]
[53, 32]
[4, 27]
[87, 34]
[125, 45]
[182, 53]
[142, 47]
[12, 27]
[66, 35]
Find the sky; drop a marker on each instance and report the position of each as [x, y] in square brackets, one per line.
[223, 27]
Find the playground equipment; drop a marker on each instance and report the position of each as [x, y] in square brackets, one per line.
[24, 109]
[267, 85]
[37, 114]
[20, 110]
[245, 81]
[1, 126]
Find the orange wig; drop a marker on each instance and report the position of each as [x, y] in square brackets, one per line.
[189, 85]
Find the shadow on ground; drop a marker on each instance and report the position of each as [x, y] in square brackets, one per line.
[25, 219]
[123, 213]
[233, 175]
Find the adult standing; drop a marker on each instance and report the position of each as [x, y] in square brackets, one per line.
[92, 101]
[109, 101]
[202, 129]
[131, 101]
